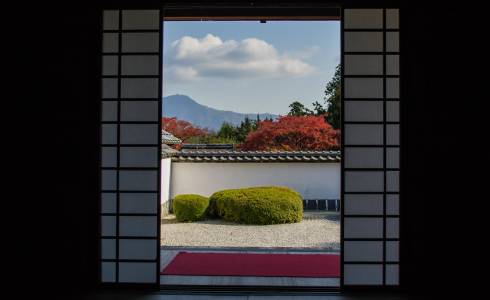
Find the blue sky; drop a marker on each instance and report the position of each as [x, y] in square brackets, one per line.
[248, 66]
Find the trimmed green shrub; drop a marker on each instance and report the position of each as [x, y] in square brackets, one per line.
[212, 210]
[190, 207]
[259, 205]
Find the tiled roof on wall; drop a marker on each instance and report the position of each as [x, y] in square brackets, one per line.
[229, 156]
[206, 147]
[167, 151]
[169, 139]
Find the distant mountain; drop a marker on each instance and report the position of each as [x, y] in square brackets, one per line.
[185, 108]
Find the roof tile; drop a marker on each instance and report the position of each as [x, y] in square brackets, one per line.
[229, 156]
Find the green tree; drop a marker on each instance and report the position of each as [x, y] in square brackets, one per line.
[319, 109]
[214, 139]
[332, 99]
[298, 109]
[256, 123]
[237, 134]
[227, 131]
[246, 126]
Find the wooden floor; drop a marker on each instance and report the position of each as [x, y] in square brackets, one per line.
[244, 296]
[249, 281]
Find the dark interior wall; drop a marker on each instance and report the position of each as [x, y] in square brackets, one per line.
[63, 42]
[443, 155]
[66, 109]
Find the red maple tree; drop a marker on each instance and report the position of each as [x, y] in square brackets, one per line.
[182, 129]
[293, 133]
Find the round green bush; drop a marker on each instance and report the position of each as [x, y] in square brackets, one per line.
[259, 205]
[190, 207]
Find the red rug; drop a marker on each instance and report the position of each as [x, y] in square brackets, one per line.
[251, 264]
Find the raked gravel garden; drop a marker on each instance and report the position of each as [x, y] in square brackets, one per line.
[319, 230]
[254, 217]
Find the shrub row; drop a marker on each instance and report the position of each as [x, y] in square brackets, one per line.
[256, 205]
[190, 207]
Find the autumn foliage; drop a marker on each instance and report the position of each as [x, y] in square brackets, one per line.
[182, 129]
[287, 133]
[293, 133]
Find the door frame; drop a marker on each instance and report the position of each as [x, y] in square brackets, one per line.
[247, 12]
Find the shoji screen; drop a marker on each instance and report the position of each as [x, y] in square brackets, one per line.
[130, 135]
[371, 147]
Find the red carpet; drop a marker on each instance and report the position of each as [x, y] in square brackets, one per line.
[248, 264]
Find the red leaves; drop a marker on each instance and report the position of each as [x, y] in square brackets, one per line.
[182, 129]
[288, 133]
[294, 133]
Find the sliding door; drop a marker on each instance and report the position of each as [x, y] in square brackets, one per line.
[130, 147]
[370, 147]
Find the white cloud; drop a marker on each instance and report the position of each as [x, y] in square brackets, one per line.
[183, 73]
[192, 58]
[305, 53]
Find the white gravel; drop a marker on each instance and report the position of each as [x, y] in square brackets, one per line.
[319, 232]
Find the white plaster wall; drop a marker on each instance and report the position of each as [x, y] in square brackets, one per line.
[312, 180]
[166, 170]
